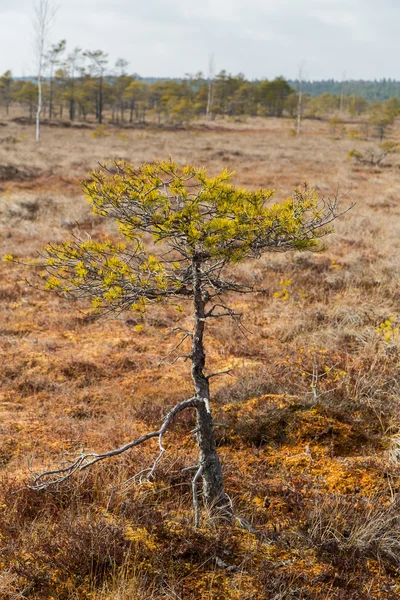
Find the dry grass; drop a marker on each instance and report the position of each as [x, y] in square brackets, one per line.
[303, 465]
[350, 529]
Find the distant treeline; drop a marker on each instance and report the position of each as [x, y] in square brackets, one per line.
[83, 86]
[372, 91]
[378, 90]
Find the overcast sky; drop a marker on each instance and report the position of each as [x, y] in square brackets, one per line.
[260, 38]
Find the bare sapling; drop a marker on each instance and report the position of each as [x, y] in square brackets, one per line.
[43, 17]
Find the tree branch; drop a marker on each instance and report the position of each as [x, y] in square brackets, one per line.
[178, 345]
[56, 477]
[226, 372]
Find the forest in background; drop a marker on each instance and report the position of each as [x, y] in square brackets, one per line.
[83, 85]
[372, 91]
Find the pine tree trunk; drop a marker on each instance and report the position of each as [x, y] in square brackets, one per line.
[39, 107]
[100, 118]
[51, 94]
[72, 101]
[213, 485]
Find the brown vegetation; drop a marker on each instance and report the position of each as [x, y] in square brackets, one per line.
[309, 435]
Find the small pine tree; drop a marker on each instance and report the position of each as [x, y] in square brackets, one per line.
[200, 226]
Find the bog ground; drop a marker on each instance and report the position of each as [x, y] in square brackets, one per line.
[311, 465]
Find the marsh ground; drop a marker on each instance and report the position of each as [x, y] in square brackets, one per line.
[314, 471]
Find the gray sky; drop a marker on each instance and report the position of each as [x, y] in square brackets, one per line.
[261, 38]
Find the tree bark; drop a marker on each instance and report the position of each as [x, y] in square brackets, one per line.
[101, 100]
[39, 107]
[51, 92]
[72, 100]
[213, 486]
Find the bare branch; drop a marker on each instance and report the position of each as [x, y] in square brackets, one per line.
[182, 330]
[178, 345]
[185, 357]
[56, 477]
[226, 372]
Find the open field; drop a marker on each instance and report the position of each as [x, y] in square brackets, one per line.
[314, 469]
